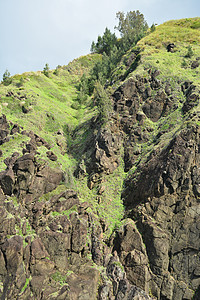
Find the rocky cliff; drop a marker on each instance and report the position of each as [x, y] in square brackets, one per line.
[122, 222]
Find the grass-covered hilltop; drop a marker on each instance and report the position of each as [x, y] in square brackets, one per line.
[99, 170]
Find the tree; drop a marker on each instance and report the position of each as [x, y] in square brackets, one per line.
[153, 27]
[46, 70]
[102, 102]
[56, 71]
[132, 27]
[104, 43]
[102, 70]
[6, 78]
[83, 90]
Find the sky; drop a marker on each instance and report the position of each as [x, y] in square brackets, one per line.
[36, 32]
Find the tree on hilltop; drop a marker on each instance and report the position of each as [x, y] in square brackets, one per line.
[46, 70]
[132, 27]
[6, 78]
[104, 43]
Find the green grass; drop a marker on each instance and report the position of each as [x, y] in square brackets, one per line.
[15, 144]
[61, 279]
[65, 212]
[154, 53]
[26, 284]
[175, 31]
[108, 206]
[50, 104]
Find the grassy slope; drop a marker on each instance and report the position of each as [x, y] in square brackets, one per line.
[153, 54]
[183, 34]
[51, 101]
[175, 68]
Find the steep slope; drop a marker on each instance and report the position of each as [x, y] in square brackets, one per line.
[158, 109]
[92, 211]
[52, 240]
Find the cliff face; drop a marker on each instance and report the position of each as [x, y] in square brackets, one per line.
[53, 247]
[161, 195]
[122, 222]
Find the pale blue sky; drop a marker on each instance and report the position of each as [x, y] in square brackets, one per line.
[35, 32]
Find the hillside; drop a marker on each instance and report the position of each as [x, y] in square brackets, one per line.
[104, 210]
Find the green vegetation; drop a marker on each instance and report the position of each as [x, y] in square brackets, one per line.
[190, 52]
[105, 43]
[58, 277]
[153, 53]
[102, 102]
[25, 285]
[49, 101]
[46, 197]
[46, 70]
[21, 82]
[6, 78]
[152, 28]
[14, 145]
[108, 206]
[132, 28]
[65, 212]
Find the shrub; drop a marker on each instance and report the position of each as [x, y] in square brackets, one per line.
[190, 52]
[184, 64]
[196, 25]
[82, 97]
